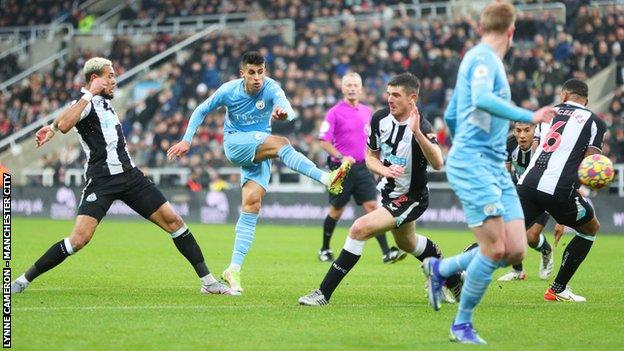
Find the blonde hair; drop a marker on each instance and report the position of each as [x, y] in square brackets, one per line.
[497, 17]
[95, 65]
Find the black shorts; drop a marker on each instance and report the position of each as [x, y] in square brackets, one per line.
[406, 209]
[572, 211]
[359, 183]
[131, 187]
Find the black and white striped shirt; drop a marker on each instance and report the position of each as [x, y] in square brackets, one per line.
[398, 146]
[563, 144]
[517, 158]
[102, 139]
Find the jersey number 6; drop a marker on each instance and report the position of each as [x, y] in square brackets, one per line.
[553, 139]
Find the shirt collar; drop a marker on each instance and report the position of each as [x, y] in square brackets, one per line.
[574, 104]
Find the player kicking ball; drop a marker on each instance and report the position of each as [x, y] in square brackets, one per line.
[400, 146]
[251, 102]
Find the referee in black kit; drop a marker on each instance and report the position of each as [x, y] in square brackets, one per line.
[111, 175]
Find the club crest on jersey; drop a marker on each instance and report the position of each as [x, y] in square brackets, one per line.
[490, 209]
[258, 136]
[259, 104]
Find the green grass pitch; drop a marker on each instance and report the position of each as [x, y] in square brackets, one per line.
[130, 289]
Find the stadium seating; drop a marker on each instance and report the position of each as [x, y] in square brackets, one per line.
[543, 57]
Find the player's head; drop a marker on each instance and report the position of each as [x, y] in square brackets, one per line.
[351, 86]
[402, 94]
[498, 18]
[99, 67]
[575, 90]
[524, 133]
[252, 70]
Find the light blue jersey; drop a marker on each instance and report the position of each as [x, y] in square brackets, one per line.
[244, 112]
[478, 116]
[479, 112]
[247, 124]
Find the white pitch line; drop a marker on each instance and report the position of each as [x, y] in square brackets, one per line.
[193, 307]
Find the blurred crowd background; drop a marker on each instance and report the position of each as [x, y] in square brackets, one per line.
[544, 55]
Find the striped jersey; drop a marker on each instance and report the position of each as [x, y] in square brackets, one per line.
[102, 139]
[516, 157]
[563, 144]
[398, 146]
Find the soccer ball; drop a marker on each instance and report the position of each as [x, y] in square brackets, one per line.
[596, 171]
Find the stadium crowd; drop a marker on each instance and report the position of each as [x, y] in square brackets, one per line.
[545, 54]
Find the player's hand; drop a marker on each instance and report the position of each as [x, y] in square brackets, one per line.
[544, 114]
[349, 159]
[414, 120]
[394, 171]
[279, 114]
[43, 135]
[559, 229]
[178, 150]
[97, 86]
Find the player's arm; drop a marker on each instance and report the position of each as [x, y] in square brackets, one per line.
[374, 164]
[283, 109]
[70, 116]
[197, 118]
[426, 139]
[450, 114]
[483, 97]
[597, 132]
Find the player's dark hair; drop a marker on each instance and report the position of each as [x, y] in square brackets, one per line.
[576, 86]
[252, 58]
[408, 81]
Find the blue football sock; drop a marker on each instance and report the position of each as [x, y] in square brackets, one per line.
[478, 277]
[245, 228]
[457, 263]
[298, 162]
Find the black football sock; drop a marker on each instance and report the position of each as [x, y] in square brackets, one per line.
[573, 256]
[328, 230]
[431, 250]
[518, 267]
[50, 259]
[188, 247]
[338, 270]
[383, 243]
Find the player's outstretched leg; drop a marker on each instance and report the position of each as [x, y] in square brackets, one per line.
[298, 162]
[538, 242]
[81, 234]
[166, 218]
[437, 270]
[348, 257]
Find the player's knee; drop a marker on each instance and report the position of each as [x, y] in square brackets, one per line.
[252, 204]
[279, 141]
[174, 222]
[79, 239]
[359, 230]
[369, 206]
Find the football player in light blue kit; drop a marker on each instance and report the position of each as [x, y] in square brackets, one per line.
[478, 116]
[251, 102]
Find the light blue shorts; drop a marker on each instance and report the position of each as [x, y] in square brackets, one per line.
[240, 148]
[484, 188]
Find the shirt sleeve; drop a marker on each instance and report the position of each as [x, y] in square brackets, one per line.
[482, 88]
[86, 110]
[279, 99]
[427, 129]
[328, 126]
[450, 114]
[598, 130]
[200, 112]
[373, 132]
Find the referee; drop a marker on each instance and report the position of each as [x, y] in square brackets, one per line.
[343, 135]
[111, 175]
